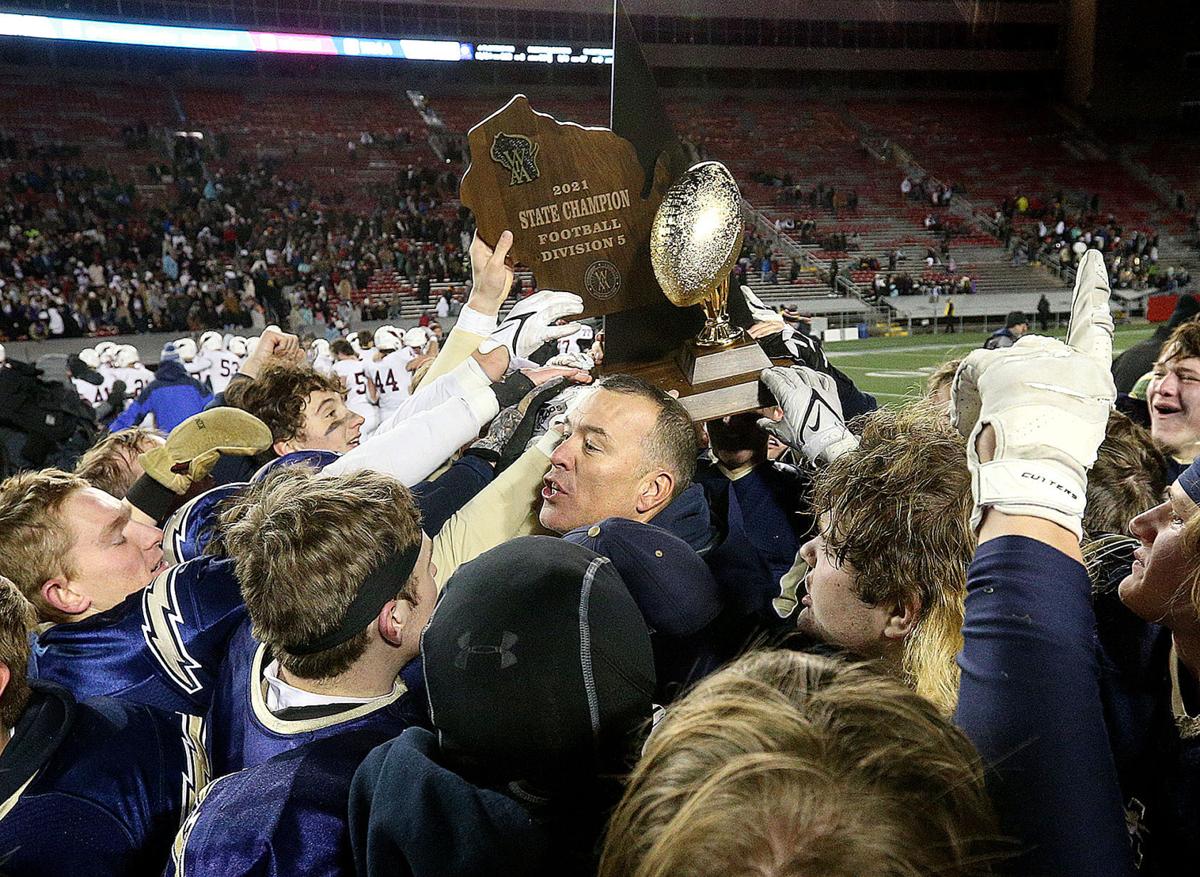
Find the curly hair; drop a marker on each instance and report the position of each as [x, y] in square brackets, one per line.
[897, 510]
[301, 546]
[278, 395]
[787, 763]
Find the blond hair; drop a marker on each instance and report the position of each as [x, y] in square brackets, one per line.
[17, 617]
[942, 377]
[786, 763]
[1128, 478]
[897, 509]
[106, 464]
[302, 544]
[35, 540]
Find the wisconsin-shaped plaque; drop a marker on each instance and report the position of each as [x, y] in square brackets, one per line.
[572, 197]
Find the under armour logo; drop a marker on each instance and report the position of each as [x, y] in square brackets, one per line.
[466, 649]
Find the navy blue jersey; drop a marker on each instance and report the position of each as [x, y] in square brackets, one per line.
[1030, 702]
[98, 787]
[299, 801]
[243, 732]
[161, 646]
[191, 527]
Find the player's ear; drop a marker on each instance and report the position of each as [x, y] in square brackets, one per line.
[903, 619]
[5, 676]
[283, 448]
[397, 620]
[655, 491]
[58, 594]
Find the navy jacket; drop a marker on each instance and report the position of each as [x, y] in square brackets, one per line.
[762, 516]
[97, 787]
[410, 816]
[172, 397]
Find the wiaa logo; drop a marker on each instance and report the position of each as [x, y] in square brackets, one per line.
[517, 154]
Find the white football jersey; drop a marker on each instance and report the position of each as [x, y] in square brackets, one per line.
[224, 366]
[392, 379]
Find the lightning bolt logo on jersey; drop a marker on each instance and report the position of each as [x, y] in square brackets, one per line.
[161, 646]
[95, 787]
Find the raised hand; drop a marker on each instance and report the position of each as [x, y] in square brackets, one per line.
[491, 274]
[1046, 403]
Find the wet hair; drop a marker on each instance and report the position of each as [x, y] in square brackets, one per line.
[897, 509]
[302, 544]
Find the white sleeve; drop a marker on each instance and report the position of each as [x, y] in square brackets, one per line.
[412, 450]
[200, 363]
[467, 379]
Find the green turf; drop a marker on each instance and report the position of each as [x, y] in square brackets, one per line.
[895, 369]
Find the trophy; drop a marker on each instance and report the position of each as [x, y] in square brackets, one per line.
[694, 243]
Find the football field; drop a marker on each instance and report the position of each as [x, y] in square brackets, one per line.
[894, 369]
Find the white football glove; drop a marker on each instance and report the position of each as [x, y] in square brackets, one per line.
[530, 323]
[1048, 403]
[572, 360]
[759, 311]
[812, 413]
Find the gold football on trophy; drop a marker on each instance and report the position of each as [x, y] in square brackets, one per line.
[695, 241]
[697, 233]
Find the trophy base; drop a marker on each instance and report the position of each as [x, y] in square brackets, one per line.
[703, 363]
[710, 383]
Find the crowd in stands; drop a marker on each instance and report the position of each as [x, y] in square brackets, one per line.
[1057, 234]
[402, 605]
[240, 247]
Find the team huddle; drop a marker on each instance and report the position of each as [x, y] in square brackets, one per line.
[403, 604]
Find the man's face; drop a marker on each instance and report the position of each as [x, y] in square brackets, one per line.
[598, 470]
[111, 556]
[1174, 399]
[328, 425]
[832, 612]
[737, 440]
[1152, 590]
[1019, 329]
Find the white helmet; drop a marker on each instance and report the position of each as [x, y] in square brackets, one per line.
[416, 337]
[89, 357]
[319, 348]
[354, 342]
[186, 348]
[251, 343]
[389, 338]
[3, 355]
[237, 346]
[125, 356]
[106, 350]
[211, 341]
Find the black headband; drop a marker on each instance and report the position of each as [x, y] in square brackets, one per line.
[383, 584]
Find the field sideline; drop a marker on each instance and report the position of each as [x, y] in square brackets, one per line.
[894, 369]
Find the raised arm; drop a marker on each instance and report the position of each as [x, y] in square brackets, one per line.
[1034, 415]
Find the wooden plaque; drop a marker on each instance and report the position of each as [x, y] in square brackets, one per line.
[572, 197]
